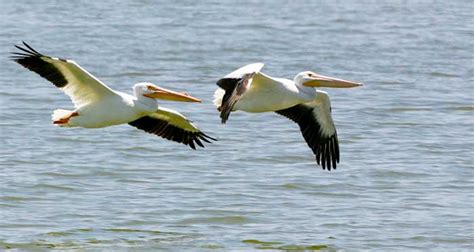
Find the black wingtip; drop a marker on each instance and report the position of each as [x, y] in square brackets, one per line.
[28, 51]
[31, 48]
[207, 136]
[200, 137]
[35, 61]
[23, 49]
[196, 139]
[170, 132]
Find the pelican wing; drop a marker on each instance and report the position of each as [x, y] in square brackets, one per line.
[173, 126]
[317, 127]
[81, 86]
[235, 84]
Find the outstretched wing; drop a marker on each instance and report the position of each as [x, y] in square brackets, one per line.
[317, 127]
[81, 86]
[234, 85]
[173, 126]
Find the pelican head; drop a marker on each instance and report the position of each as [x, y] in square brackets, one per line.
[152, 91]
[311, 79]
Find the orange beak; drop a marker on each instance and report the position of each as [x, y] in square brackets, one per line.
[166, 94]
[324, 81]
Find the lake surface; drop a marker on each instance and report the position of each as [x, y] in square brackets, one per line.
[405, 181]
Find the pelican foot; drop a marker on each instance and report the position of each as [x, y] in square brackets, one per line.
[66, 119]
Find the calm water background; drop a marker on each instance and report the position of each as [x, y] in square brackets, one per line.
[405, 180]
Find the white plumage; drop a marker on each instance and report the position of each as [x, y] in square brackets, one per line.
[97, 105]
[248, 89]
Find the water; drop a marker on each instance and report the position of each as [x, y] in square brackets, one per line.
[405, 180]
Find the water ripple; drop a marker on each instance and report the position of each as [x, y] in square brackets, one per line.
[404, 181]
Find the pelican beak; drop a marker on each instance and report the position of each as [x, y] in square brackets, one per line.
[324, 81]
[166, 94]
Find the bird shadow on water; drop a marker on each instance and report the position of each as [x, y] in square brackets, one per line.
[87, 238]
[124, 237]
[276, 245]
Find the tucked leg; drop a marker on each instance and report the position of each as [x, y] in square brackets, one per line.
[65, 119]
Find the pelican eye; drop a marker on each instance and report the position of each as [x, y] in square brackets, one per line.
[151, 87]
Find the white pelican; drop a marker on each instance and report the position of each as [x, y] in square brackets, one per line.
[97, 105]
[250, 90]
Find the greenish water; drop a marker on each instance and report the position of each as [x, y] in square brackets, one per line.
[405, 180]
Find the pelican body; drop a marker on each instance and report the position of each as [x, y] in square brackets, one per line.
[97, 105]
[248, 89]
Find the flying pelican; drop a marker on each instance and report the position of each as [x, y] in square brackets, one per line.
[250, 90]
[97, 105]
